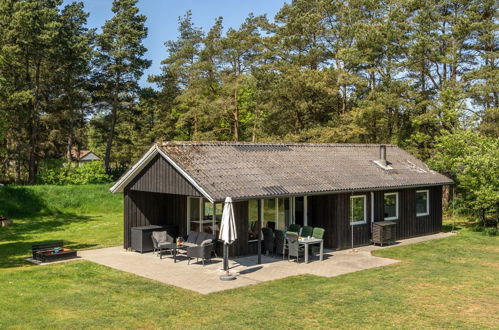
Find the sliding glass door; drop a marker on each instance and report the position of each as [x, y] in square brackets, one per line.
[277, 213]
[203, 215]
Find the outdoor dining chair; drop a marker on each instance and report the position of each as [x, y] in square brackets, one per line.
[268, 240]
[306, 231]
[280, 245]
[317, 233]
[295, 228]
[294, 248]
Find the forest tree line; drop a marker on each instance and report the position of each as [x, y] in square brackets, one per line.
[405, 72]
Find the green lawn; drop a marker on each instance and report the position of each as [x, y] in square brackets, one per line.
[83, 216]
[451, 282]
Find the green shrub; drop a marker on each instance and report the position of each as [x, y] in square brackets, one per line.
[477, 228]
[490, 231]
[57, 173]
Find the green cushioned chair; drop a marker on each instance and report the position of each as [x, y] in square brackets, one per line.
[280, 242]
[316, 233]
[294, 228]
[306, 231]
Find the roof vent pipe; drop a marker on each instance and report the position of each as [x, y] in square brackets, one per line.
[382, 155]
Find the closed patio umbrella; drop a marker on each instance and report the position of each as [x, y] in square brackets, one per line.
[228, 234]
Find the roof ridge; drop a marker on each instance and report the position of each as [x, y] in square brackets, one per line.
[239, 143]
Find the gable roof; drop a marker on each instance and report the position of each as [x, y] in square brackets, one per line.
[79, 155]
[259, 170]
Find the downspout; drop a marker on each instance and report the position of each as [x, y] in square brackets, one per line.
[372, 212]
[260, 221]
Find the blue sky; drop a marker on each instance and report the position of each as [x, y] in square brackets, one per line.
[162, 18]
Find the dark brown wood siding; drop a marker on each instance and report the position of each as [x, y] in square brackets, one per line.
[161, 177]
[331, 212]
[146, 208]
[240, 246]
[408, 224]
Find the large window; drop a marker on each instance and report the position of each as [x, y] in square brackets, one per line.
[283, 213]
[391, 206]
[422, 203]
[299, 208]
[252, 219]
[276, 214]
[203, 215]
[194, 213]
[358, 210]
[269, 213]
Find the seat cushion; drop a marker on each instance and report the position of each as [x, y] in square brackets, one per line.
[201, 237]
[193, 235]
[159, 236]
[206, 241]
[189, 244]
[169, 238]
[167, 245]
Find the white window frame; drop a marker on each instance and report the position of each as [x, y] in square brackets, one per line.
[292, 210]
[201, 202]
[396, 217]
[365, 210]
[427, 203]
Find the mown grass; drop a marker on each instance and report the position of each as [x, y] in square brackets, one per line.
[451, 282]
[444, 283]
[86, 216]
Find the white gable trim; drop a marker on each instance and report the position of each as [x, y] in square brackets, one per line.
[136, 168]
[120, 185]
[90, 156]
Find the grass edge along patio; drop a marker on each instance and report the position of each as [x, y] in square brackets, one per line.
[342, 188]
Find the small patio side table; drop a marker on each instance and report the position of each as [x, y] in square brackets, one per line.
[182, 249]
[309, 241]
[164, 247]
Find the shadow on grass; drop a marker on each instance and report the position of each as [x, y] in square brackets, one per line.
[20, 202]
[22, 229]
[14, 254]
[449, 227]
[24, 233]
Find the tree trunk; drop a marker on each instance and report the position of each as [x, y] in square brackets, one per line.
[253, 133]
[69, 147]
[236, 113]
[344, 99]
[33, 128]
[110, 138]
[32, 168]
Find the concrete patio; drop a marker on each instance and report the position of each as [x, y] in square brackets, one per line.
[206, 280]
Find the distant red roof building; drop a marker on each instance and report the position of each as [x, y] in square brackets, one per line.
[83, 155]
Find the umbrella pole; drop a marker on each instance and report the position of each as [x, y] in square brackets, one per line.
[227, 276]
[226, 258]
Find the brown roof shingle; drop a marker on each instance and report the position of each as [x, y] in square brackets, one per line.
[249, 170]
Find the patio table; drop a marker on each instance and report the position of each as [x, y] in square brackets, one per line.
[309, 241]
[178, 249]
[166, 246]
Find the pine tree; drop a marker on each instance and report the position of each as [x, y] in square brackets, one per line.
[119, 64]
[73, 77]
[29, 53]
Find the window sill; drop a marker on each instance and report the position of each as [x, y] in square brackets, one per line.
[422, 214]
[358, 223]
[390, 219]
